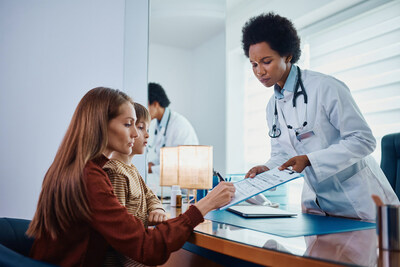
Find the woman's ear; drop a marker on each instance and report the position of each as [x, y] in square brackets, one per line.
[288, 58]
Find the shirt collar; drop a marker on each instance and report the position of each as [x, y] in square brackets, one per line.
[289, 84]
[164, 119]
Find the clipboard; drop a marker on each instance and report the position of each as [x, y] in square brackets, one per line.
[250, 187]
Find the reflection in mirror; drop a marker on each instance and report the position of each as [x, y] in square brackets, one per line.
[187, 58]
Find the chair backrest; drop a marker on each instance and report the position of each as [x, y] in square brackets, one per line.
[12, 235]
[390, 161]
[15, 245]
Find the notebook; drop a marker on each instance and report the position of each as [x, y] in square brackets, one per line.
[253, 211]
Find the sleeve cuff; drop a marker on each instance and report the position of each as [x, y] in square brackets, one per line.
[155, 169]
[194, 215]
[312, 157]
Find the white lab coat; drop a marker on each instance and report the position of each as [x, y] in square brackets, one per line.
[342, 174]
[179, 131]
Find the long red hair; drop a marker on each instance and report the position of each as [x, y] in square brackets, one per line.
[62, 200]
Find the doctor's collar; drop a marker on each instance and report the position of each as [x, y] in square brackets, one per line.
[289, 84]
[164, 119]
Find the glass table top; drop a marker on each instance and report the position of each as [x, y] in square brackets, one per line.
[356, 248]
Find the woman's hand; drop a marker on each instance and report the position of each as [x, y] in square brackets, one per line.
[298, 163]
[256, 170]
[156, 216]
[221, 195]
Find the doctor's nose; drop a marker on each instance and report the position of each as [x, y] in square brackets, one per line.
[259, 71]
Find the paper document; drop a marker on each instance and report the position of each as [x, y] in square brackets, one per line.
[250, 187]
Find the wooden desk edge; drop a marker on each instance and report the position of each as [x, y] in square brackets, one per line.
[253, 254]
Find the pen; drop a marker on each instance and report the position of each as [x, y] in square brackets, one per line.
[289, 170]
[220, 177]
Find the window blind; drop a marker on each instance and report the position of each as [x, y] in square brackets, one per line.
[364, 52]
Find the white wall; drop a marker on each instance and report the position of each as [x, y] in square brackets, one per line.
[136, 47]
[194, 80]
[170, 67]
[208, 108]
[52, 53]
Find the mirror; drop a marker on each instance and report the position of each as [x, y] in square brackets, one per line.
[187, 58]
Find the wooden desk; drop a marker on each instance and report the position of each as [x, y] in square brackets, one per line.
[215, 244]
[261, 256]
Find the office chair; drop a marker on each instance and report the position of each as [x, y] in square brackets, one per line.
[390, 162]
[15, 245]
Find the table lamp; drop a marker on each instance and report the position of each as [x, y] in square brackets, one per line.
[168, 166]
[189, 166]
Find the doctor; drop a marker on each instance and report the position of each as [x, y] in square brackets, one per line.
[314, 125]
[167, 129]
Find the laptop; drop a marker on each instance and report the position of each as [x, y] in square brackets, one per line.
[257, 211]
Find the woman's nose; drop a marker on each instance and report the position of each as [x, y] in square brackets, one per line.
[134, 132]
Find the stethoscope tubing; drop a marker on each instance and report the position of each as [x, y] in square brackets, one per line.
[165, 129]
[275, 132]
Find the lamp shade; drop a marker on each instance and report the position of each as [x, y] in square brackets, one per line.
[195, 167]
[188, 166]
[169, 166]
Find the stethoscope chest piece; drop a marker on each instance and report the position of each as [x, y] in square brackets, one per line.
[275, 132]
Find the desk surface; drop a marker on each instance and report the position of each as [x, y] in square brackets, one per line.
[357, 248]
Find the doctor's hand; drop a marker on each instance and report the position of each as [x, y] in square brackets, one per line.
[298, 163]
[151, 164]
[256, 170]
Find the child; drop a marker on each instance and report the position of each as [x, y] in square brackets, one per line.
[129, 186]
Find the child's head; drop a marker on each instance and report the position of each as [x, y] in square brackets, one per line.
[142, 114]
[142, 125]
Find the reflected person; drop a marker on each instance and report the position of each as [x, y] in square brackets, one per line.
[356, 247]
[168, 128]
[315, 126]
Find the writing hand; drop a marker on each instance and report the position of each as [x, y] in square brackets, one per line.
[221, 195]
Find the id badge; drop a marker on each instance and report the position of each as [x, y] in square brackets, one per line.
[305, 135]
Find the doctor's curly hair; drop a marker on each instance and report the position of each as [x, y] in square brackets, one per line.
[157, 93]
[277, 31]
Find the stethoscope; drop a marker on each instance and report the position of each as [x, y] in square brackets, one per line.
[165, 130]
[275, 132]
